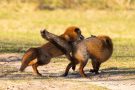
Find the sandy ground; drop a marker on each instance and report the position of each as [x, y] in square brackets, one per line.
[11, 79]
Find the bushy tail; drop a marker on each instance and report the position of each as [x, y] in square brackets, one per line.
[109, 43]
[30, 55]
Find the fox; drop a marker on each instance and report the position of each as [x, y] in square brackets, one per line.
[42, 55]
[97, 48]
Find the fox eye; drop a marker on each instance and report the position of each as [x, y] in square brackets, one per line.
[77, 30]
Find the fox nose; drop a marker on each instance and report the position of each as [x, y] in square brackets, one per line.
[81, 37]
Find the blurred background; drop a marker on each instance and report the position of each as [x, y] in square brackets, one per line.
[22, 20]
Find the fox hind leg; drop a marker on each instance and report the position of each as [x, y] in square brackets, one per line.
[28, 57]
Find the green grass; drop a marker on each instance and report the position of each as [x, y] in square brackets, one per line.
[21, 28]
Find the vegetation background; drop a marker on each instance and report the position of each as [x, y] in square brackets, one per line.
[22, 20]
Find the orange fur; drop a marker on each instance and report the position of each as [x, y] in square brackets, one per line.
[42, 55]
[99, 49]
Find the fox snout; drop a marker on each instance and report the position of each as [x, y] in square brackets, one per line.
[81, 37]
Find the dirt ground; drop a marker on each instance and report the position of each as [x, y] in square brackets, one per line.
[110, 78]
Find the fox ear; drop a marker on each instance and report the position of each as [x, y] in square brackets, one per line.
[67, 37]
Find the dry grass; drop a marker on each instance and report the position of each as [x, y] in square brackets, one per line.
[22, 30]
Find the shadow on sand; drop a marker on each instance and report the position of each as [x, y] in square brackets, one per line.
[9, 72]
[108, 74]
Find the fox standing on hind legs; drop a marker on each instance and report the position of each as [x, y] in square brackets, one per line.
[97, 48]
[42, 55]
